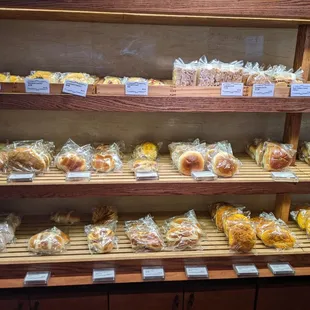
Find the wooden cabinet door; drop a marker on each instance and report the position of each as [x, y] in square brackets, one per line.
[76, 301]
[12, 302]
[221, 299]
[146, 301]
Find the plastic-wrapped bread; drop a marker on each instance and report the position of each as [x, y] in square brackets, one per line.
[67, 218]
[304, 152]
[4, 77]
[16, 79]
[8, 226]
[49, 242]
[257, 75]
[144, 165]
[218, 210]
[144, 235]
[52, 77]
[73, 157]
[3, 158]
[184, 74]
[78, 77]
[111, 80]
[183, 232]
[302, 217]
[30, 156]
[153, 82]
[255, 150]
[283, 77]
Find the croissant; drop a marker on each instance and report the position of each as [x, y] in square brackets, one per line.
[190, 161]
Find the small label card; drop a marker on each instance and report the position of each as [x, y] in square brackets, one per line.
[146, 175]
[37, 86]
[232, 89]
[21, 177]
[300, 90]
[137, 88]
[153, 273]
[281, 269]
[203, 175]
[75, 88]
[196, 272]
[284, 176]
[37, 278]
[263, 90]
[104, 275]
[248, 270]
[78, 176]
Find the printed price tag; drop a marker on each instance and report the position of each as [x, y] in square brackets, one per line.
[300, 90]
[153, 273]
[75, 88]
[249, 270]
[232, 89]
[203, 175]
[21, 177]
[37, 86]
[196, 271]
[146, 176]
[37, 278]
[281, 269]
[137, 88]
[263, 90]
[104, 275]
[78, 176]
[284, 176]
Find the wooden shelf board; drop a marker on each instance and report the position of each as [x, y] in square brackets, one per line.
[153, 104]
[250, 180]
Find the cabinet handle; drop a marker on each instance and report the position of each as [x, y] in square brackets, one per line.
[176, 302]
[36, 306]
[190, 302]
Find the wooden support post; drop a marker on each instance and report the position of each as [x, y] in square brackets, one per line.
[283, 205]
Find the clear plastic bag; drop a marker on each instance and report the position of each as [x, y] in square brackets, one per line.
[73, 157]
[78, 77]
[107, 158]
[255, 150]
[67, 218]
[101, 238]
[4, 77]
[221, 161]
[302, 217]
[8, 226]
[49, 242]
[230, 72]
[258, 76]
[52, 77]
[111, 80]
[146, 150]
[303, 152]
[3, 158]
[104, 215]
[184, 74]
[144, 235]
[183, 232]
[30, 156]
[143, 165]
[283, 77]
[207, 72]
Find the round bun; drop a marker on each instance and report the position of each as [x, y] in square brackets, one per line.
[276, 157]
[71, 162]
[219, 215]
[103, 162]
[225, 165]
[232, 220]
[242, 237]
[190, 161]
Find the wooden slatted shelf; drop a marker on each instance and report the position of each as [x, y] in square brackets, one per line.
[153, 104]
[251, 180]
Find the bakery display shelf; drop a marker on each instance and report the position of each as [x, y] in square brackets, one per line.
[153, 104]
[250, 180]
[78, 262]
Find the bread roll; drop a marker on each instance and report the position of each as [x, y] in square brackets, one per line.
[100, 239]
[225, 164]
[219, 215]
[71, 161]
[190, 161]
[103, 162]
[242, 237]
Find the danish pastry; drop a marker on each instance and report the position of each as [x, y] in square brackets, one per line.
[71, 161]
[103, 162]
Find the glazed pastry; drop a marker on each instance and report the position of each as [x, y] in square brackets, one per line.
[144, 165]
[104, 215]
[65, 218]
[225, 165]
[71, 162]
[146, 150]
[190, 161]
[302, 218]
[101, 239]
[103, 162]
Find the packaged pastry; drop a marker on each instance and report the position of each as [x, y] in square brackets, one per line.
[30, 156]
[302, 217]
[73, 157]
[133, 79]
[283, 77]
[304, 152]
[274, 232]
[143, 165]
[49, 242]
[218, 210]
[258, 75]
[78, 77]
[188, 156]
[107, 158]
[52, 77]
[220, 160]
[144, 235]
[183, 232]
[3, 158]
[111, 80]
[16, 79]
[4, 77]
[184, 74]
[104, 215]
[67, 218]
[153, 82]
[8, 226]
[255, 150]
[101, 238]
[146, 150]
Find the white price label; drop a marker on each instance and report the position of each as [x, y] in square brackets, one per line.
[196, 271]
[284, 176]
[281, 269]
[153, 273]
[232, 89]
[246, 270]
[300, 90]
[37, 86]
[21, 177]
[78, 176]
[75, 88]
[263, 90]
[203, 175]
[146, 176]
[137, 88]
[104, 275]
[37, 278]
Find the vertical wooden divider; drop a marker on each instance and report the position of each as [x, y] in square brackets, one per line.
[293, 120]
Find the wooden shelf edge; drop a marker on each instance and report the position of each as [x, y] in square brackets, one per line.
[153, 104]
